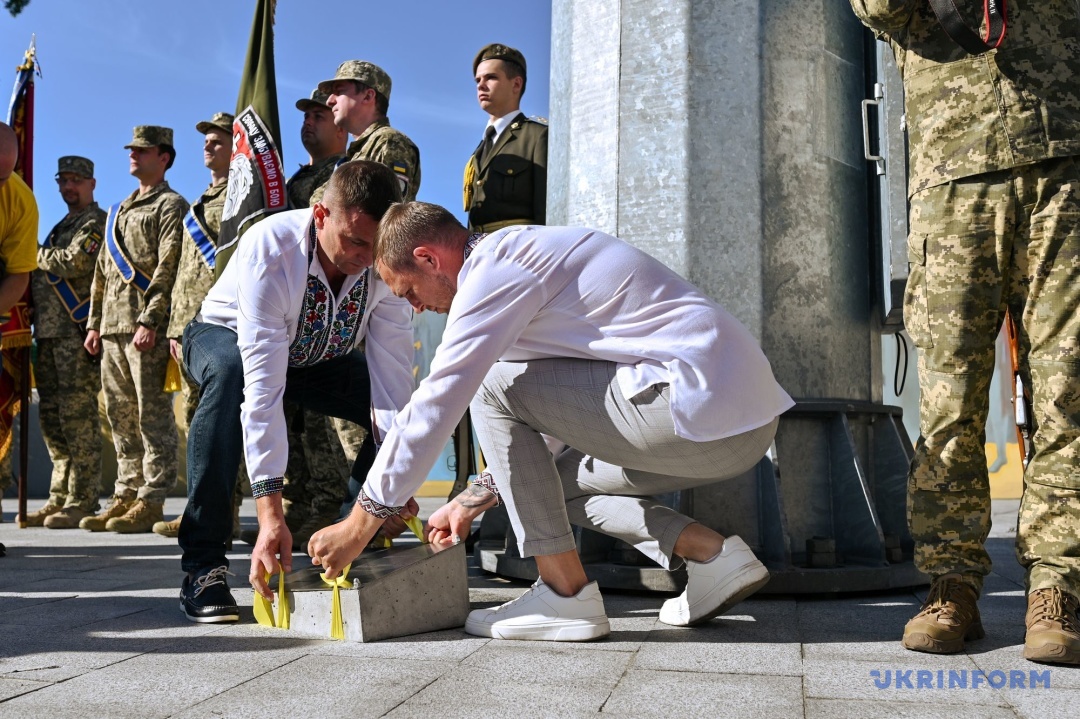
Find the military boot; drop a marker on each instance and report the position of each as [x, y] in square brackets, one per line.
[140, 518]
[949, 616]
[1053, 632]
[118, 506]
[37, 518]
[169, 529]
[67, 518]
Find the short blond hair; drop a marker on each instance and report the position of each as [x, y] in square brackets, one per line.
[408, 225]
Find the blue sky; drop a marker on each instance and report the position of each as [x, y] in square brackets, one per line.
[108, 65]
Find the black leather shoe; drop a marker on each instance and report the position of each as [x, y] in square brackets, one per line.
[205, 597]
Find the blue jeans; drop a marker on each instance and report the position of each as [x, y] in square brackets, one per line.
[339, 387]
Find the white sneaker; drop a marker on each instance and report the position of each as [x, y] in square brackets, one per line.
[715, 586]
[542, 614]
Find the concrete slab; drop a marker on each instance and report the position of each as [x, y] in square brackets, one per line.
[158, 684]
[544, 681]
[759, 633]
[14, 687]
[1045, 704]
[323, 686]
[395, 592]
[697, 694]
[854, 680]
[851, 709]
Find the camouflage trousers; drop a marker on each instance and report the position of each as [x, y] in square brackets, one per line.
[68, 382]
[1000, 241]
[140, 413]
[317, 473]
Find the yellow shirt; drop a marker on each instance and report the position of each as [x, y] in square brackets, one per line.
[18, 227]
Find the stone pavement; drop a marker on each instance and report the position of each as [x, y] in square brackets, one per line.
[90, 627]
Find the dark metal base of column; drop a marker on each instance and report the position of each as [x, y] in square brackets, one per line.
[835, 523]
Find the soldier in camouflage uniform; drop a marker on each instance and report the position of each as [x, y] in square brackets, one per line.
[318, 469]
[143, 238]
[994, 226]
[359, 95]
[68, 378]
[506, 176]
[195, 272]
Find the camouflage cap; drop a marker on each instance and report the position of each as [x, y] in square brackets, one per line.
[371, 75]
[150, 136]
[317, 100]
[497, 51]
[220, 121]
[76, 164]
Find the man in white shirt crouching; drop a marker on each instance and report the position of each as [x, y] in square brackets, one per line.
[571, 334]
[283, 322]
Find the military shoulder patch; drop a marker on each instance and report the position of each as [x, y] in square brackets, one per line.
[92, 242]
[400, 167]
[538, 120]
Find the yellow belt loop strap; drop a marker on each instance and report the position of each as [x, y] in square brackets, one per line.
[337, 626]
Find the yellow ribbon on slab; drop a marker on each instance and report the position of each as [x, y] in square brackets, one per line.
[417, 528]
[263, 609]
[337, 626]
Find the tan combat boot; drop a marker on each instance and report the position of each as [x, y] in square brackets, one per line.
[118, 506]
[37, 519]
[140, 518]
[170, 528]
[1053, 632]
[67, 518]
[949, 616]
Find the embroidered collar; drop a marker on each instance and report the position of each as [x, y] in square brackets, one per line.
[324, 331]
[472, 242]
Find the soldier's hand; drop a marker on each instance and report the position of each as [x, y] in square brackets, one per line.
[175, 351]
[92, 343]
[145, 338]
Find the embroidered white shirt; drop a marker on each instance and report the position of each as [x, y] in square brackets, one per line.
[260, 295]
[536, 292]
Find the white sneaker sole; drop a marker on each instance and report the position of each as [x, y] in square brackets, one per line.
[567, 630]
[740, 585]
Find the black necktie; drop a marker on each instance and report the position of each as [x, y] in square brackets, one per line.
[486, 145]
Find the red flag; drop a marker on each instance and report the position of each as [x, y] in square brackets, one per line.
[15, 330]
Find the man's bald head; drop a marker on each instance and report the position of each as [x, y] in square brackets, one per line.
[9, 152]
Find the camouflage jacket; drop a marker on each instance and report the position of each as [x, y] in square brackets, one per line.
[302, 184]
[74, 245]
[511, 183]
[967, 114]
[151, 229]
[193, 276]
[382, 143]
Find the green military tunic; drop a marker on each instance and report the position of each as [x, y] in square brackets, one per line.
[150, 226]
[382, 143]
[308, 178]
[510, 186]
[193, 276]
[68, 378]
[994, 225]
